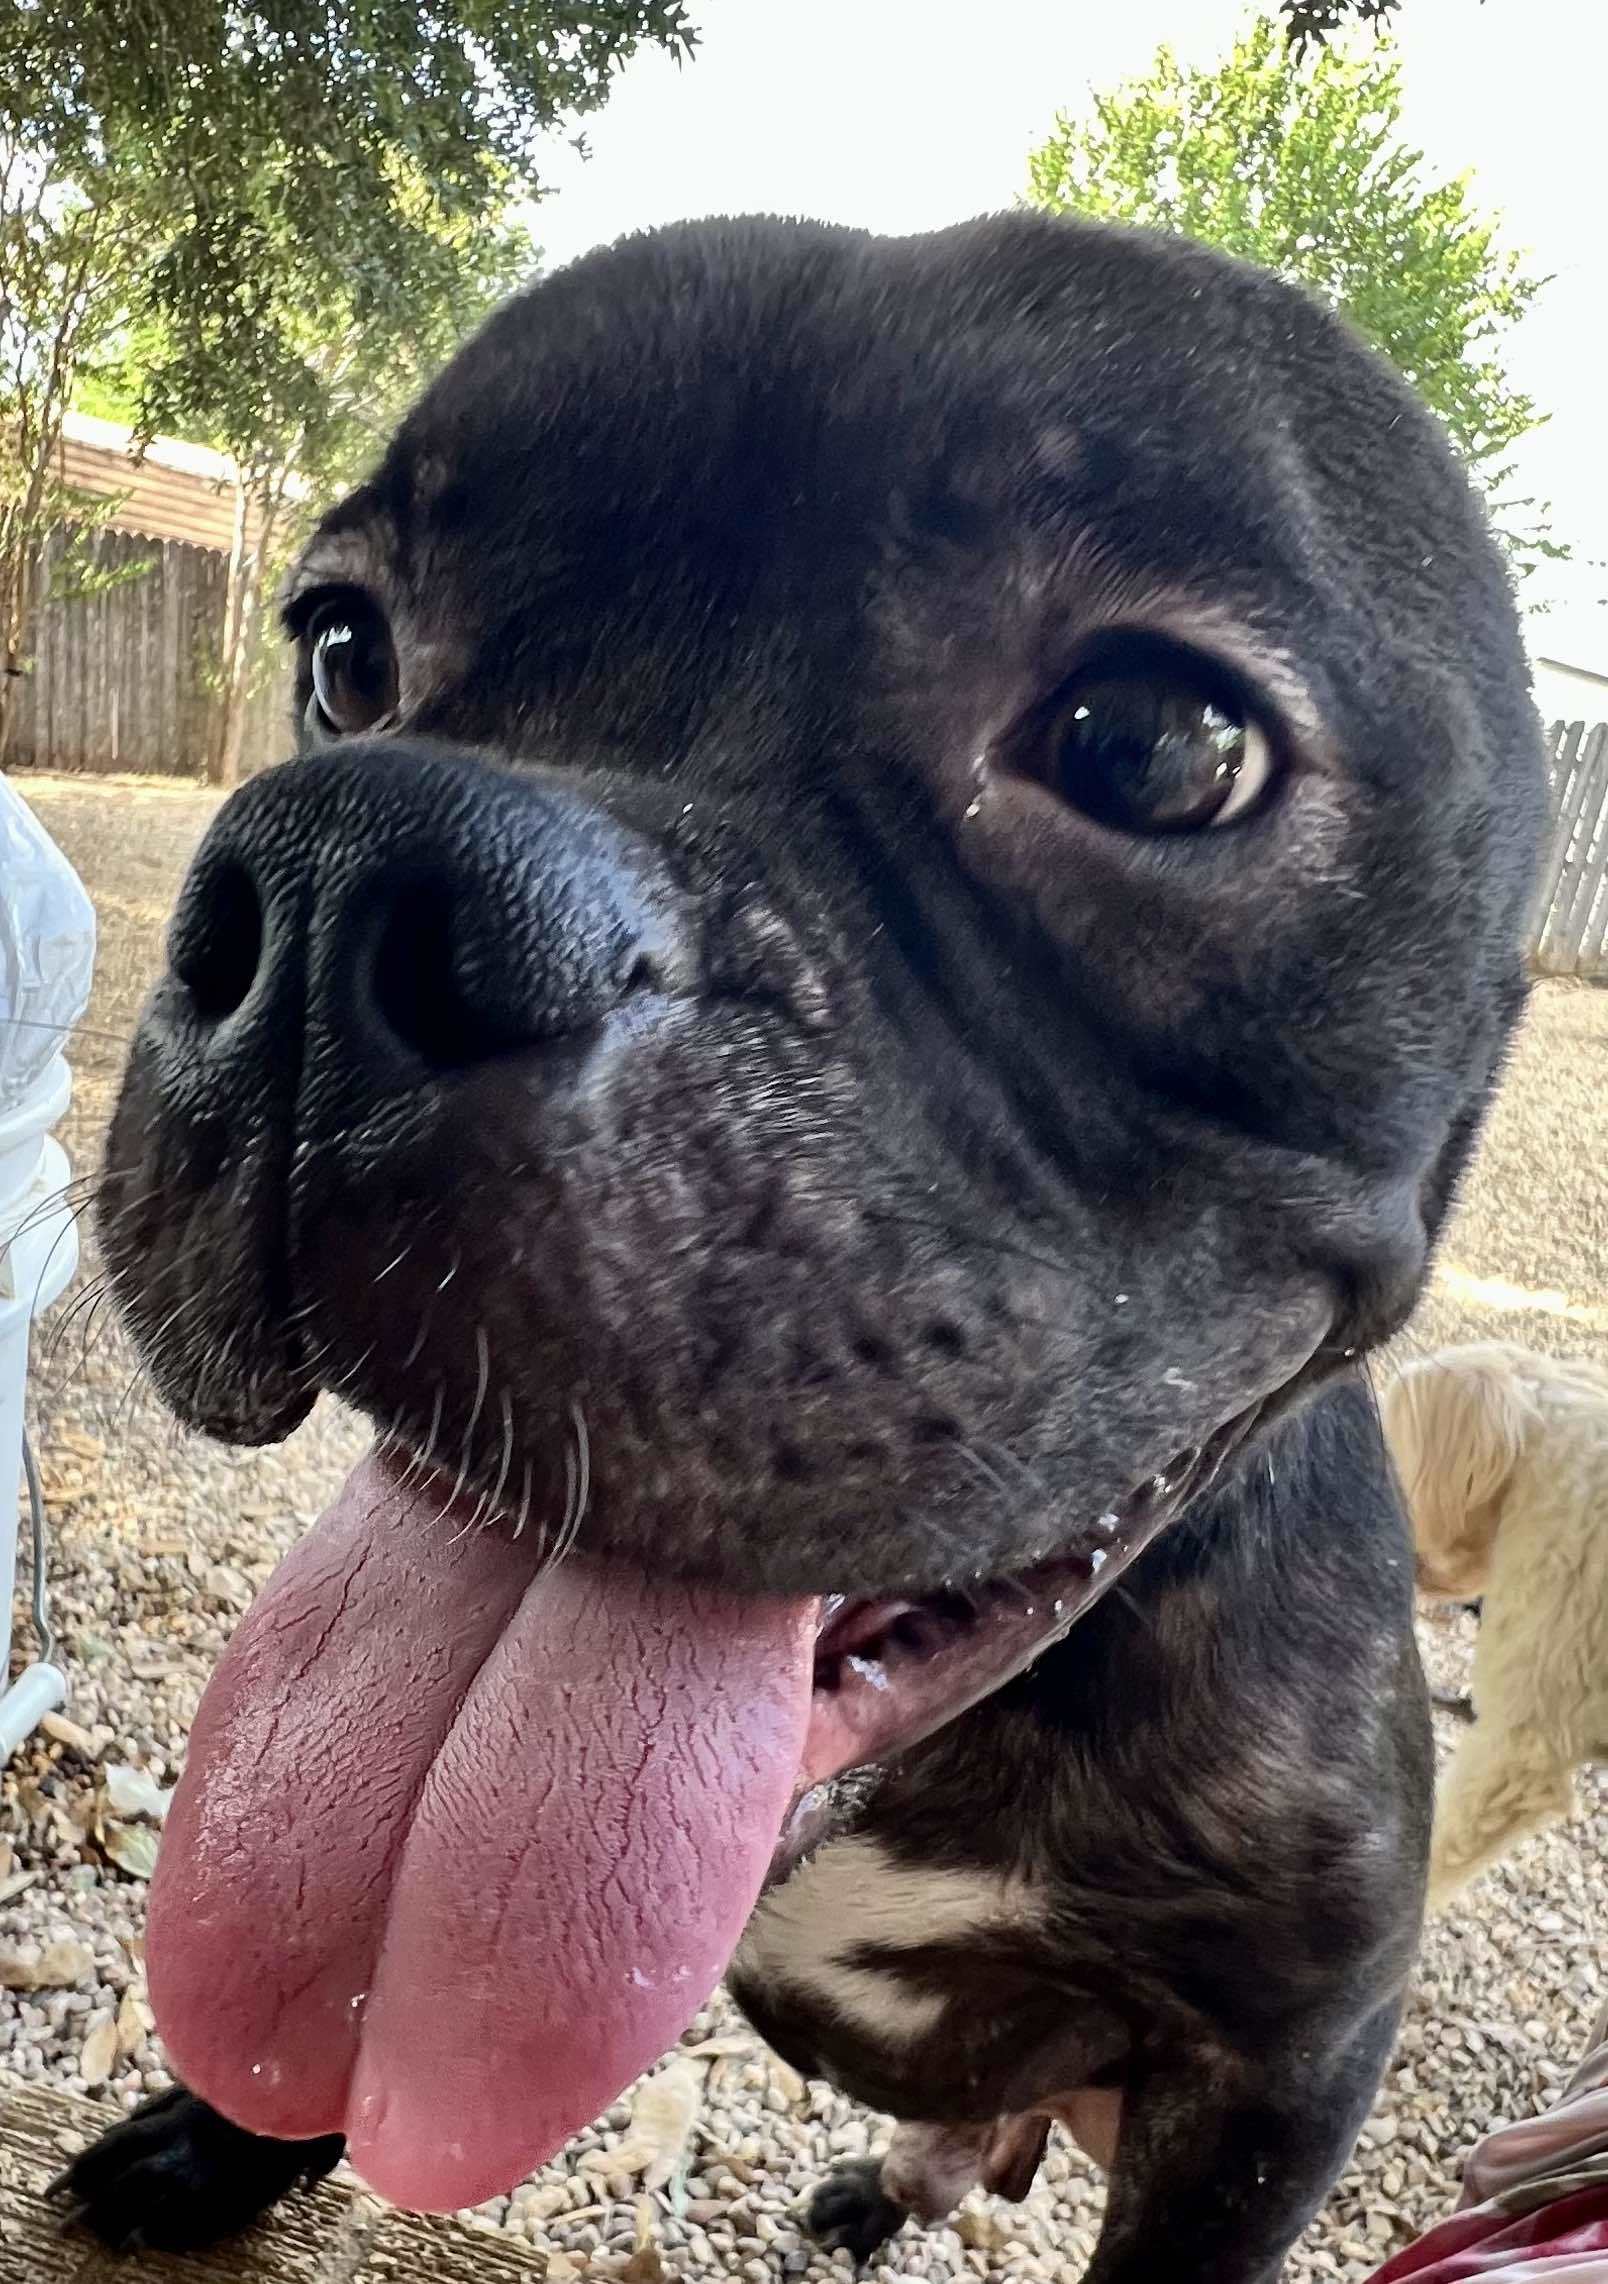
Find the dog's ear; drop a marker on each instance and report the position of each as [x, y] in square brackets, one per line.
[1455, 1424]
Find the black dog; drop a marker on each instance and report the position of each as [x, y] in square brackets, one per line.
[908, 897]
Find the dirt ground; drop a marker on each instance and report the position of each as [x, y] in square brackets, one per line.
[161, 1540]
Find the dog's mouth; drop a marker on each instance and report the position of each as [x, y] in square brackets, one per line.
[465, 1839]
[889, 1671]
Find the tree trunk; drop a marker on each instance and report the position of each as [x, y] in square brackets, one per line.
[15, 582]
[250, 558]
[33, 406]
[228, 714]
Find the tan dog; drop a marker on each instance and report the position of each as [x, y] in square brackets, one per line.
[1503, 1458]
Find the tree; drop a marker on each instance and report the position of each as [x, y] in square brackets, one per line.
[1316, 20]
[263, 129]
[312, 203]
[67, 256]
[1299, 165]
[315, 406]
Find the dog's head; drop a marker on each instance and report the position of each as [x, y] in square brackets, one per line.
[905, 893]
[1455, 1425]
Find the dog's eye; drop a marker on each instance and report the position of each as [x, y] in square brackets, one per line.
[1153, 743]
[353, 667]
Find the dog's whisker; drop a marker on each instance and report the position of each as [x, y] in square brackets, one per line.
[486, 1504]
[60, 1239]
[571, 1476]
[1027, 1475]
[575, 1513]
[96, 1324]
[152, 1342]
[483, 1381]
[66, 1031]
[138, 1377]
[426, 1318]
[507, 1403]
[351, 1374]
[980, 1466]
[94, 1290]
[575, 1502]
[524, 1500]
[71, 1198]
[427, 1451]
[1132, 1604]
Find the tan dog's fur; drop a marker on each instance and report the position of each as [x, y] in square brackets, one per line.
[1503, 1458]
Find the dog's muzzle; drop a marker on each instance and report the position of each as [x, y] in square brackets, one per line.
[362, 922]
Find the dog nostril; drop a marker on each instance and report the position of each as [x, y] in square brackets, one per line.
[219, 965]
[414, 981]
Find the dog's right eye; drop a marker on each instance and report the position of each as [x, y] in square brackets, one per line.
[354, 669]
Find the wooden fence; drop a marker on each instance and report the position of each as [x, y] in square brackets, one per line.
[120, 677]
[1571, 933]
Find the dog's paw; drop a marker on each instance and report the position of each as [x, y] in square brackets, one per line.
[851, 2212]
[176, 2176]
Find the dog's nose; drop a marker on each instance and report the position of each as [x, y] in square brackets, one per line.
[372, 917]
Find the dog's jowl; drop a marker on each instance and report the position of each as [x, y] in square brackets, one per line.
[903, 894]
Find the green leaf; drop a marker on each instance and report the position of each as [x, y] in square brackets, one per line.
[261, 224]
[1296, 161]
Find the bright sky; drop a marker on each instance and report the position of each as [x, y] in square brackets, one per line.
[905, 114]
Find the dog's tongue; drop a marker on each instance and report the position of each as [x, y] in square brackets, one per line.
[460, 1849]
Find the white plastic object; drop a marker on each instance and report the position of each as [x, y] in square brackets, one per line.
[38, 1254]
[37, 1690]
[47, 951]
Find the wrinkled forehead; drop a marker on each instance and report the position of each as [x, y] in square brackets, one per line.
[890, 394]
[711, 443]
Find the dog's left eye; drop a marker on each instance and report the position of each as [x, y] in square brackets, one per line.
[1153, 743]
[353, 667]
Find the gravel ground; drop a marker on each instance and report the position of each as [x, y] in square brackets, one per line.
[160, 1541]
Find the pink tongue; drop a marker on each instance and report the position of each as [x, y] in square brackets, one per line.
[457, 1855]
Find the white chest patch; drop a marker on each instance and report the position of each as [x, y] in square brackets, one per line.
[853, 1892]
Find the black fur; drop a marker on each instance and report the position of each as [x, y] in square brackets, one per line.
[902, 1167]
[852, 2212]
[175, 2177]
